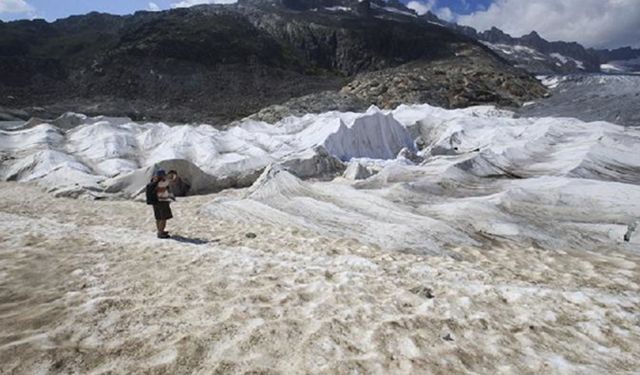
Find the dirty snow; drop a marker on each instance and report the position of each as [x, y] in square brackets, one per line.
[87, 288]
[497, 248]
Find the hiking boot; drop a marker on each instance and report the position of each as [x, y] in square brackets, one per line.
[164, 235]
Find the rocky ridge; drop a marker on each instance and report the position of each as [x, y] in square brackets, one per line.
[530, 52]
[540, 56]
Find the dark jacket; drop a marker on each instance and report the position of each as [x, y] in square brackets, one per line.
[152, 196]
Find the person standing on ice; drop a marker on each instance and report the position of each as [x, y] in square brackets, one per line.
[159, 196]
[179, 187]
[630, 229]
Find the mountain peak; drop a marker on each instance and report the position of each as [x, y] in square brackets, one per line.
[533, 35]
[432, 17]
[302, 5]
[495, 35]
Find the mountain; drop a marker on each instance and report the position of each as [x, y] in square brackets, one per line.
[219, 63]
[541, 57]
[619, 60]
[530, 52]
[625, 53]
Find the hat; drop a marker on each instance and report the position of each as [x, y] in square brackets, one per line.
[160, 173]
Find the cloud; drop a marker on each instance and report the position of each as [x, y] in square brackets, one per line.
[190, 3]
[445, 14]
[15, 6]
[153, 7]
[594, 23]
[421, 7]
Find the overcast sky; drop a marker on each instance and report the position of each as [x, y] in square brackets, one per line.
[594, 23]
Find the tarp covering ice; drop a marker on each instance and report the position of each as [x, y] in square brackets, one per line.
[101, 152]
[547, 183]
[480, 173]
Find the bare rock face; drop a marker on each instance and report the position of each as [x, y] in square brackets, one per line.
[314, 103]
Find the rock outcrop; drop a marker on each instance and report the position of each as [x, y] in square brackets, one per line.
[356, 171]
[314, 163]
[470, 78]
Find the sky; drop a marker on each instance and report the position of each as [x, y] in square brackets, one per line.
[594, 23]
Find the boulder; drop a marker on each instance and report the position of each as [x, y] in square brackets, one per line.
[410, 155]
[315, 163]
[356, 171]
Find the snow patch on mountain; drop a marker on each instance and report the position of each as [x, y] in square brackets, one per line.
[338, 9]
[513, 50]
[534, 60]
[563, 60]
[622, 66]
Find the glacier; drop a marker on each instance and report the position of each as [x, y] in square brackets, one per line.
[417, 240]
[477, 175]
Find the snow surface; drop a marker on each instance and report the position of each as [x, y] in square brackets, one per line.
[551, 82]
[88, 289]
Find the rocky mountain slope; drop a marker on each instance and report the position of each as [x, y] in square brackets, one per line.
[221, 63]
[531, 52]
[620, 54]
[539, 56]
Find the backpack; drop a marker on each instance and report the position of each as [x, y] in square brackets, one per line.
[150, 190]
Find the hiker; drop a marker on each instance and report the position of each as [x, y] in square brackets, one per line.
[179, 186]
[159, 195]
